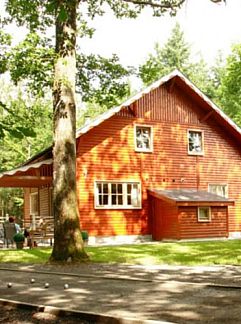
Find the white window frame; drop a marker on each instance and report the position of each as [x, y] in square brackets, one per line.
[124, 194]
[225, 185]
[138, 149]
[202, 141]
[209, 214]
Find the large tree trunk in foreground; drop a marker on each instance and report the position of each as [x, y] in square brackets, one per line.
[68, 243]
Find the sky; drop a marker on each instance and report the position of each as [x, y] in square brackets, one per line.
[208, 27]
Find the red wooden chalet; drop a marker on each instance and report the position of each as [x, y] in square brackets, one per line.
[165, 164]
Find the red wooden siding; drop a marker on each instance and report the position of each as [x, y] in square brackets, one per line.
[107, 153]
[164, 220]
[190, 227]
[170, 221]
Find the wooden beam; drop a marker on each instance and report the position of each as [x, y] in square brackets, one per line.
[205, 204]
[170, 85]
[205, 117]
[29, 178]
[132, 109]
[24, 181]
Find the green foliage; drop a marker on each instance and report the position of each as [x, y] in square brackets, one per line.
[18, 237]
[102, 81]
[5, 43]
[32, 60]
[229, 91]
[25, 116]
[11, 202]
[176, 54]
[85, 235]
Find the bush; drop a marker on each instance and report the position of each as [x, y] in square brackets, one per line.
[85, 235]
[18, 237]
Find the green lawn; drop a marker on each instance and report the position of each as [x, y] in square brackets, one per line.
[192, 253]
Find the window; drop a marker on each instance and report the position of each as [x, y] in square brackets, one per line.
[143, 138]
[195, 142]
[34, 203]
[33, 209]
[221, 190]
[204, 214]
[117, 194]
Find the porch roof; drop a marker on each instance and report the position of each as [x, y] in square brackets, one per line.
[191, 197]
[26, 176]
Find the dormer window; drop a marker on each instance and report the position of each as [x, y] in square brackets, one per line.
[195, 142]
[143, 138]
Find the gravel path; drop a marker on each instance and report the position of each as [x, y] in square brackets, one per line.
[174, 294]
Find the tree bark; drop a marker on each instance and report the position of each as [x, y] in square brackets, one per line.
[68, 243]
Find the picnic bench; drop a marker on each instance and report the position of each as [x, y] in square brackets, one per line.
[41, 232]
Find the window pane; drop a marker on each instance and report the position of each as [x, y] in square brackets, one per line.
[143, 137]
[100, 200]
[204, 214]
[113, 188]
[128, 200]
[120, 200]
[129, 188]
[195, 141]
[113, 200]
[99, 187]
[220, 190]
[134, 195]
[119, 187]
[105, 199]
[105, 188]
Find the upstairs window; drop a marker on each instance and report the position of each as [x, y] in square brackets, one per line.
[195, 142]
[204, 214]
[219, 189]
[143, 138]
[117, 195]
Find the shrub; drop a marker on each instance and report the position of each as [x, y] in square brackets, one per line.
[18, 237]
[85, 235]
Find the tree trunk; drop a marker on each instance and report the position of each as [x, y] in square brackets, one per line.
[68, 243]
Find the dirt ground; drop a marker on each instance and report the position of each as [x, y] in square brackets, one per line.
[164, 293]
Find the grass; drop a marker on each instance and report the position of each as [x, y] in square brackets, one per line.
[191, 253]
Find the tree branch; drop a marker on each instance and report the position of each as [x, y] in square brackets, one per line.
[153, 4]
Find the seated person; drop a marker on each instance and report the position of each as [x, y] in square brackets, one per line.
[12, 220]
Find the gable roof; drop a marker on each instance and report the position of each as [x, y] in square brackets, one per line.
[176, 77]
[187, 86]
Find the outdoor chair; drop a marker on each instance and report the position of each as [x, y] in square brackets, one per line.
[9, 231]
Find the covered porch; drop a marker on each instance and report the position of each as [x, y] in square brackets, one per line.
[36, 180]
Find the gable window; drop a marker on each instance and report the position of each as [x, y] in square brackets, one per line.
[195, 142]
[143, 138]
[204, 214]
[117, 195]
[219, 189]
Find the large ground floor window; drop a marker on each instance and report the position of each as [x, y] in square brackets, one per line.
[115, 194]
